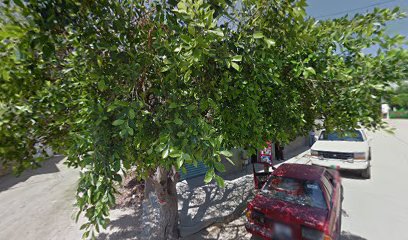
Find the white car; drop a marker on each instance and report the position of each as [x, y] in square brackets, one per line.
[348, 150]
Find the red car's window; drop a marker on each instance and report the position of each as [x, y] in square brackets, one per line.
[296, 191]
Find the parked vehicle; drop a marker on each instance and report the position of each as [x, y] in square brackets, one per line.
[297, 202]
[348, 150]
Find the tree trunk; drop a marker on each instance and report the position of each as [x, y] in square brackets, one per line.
[149, 187]
[164, 182]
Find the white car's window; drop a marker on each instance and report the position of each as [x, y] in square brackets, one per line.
[351, 136]
[364, 135]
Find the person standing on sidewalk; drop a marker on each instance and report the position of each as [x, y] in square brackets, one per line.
[312, 137]
[279, 151]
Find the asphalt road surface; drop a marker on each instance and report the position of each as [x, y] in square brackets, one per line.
[378, 208]
[39, 205]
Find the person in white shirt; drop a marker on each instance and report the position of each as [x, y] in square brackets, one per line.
[385, 110]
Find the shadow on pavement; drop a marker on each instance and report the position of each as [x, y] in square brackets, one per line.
[234, 230]
[351, 175]
[212, 206]
[48, 166]
[246, 170]
[295, 152]
[235, 234]
[349, 236]
[127, 226]
[344, 213]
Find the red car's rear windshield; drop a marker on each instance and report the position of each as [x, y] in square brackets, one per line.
[303, 192]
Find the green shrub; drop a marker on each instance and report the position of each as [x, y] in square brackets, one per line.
[399, 114]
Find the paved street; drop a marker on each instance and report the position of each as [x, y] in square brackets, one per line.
[377, 208]
[38, 205]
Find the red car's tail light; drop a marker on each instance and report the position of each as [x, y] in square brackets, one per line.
[313, 234]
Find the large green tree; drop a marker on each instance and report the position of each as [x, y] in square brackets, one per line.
[154, 85]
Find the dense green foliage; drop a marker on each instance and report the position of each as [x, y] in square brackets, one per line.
[121, 84]
[399, 97]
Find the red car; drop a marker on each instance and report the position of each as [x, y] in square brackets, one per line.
[297, 202]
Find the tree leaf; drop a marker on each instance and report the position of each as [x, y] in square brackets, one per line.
[48, 50]
[89, 193]
[99, 61]
[165, 68]
[217, 32]
[6, 75]
[311, 70]
[165, 153]
[175, 154]
[230, 161]
[112, 107]
[181, 6]
[237, 58]
[178, 121]
[226, 153]
[186, 156]
[220, 181]
[118, 122]
[209, 176]
[130, 131]
[191, 30]
[235, 66]
[101, 86]
[258, 35]
[173, 105]
[179, 162]
[19, 3]
[219, 166]
[132, 114]
[269, 42]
